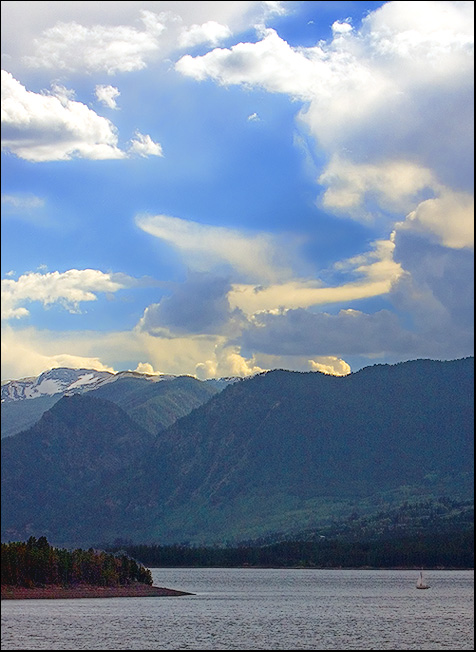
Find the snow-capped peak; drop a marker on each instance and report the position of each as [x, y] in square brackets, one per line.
[62, 380]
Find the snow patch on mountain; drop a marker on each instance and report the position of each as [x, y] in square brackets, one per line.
[64, 381]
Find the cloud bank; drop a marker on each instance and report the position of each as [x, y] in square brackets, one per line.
[387, 111]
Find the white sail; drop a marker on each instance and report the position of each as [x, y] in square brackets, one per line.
[421, 584]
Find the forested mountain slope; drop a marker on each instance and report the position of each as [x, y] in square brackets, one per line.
[154, 402]
[280, 452]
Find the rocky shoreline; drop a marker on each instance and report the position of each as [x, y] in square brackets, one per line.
[87, 591]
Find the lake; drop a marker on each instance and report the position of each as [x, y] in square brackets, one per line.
[258, 609]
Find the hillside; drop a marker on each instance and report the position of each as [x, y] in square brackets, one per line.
[156, 406]
[280, 452]
[64, 473]
[286, 450]
[154, 402]
[18, 416]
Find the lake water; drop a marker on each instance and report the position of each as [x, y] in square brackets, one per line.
[250, 609]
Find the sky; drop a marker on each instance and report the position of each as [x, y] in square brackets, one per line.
[223, 188]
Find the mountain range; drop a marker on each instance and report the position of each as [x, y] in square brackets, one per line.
[155, 401]
[279, 452]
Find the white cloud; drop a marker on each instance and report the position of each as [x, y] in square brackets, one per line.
[275, 7]
[449, 218]
[376, 270]
[29, 352]
[339, 27]
[146, 368]
[91, 37]
[209, 32]
[25, 202]
[143, 145]
[384, 96]
[255, 256]
[254, 117]
[107, 95]
[410, 27]
[270, 62]
[391, 107]
[68, 289]
[330, 365]
[394, 185]
[53, 127]
[227, 361]
[110, 48]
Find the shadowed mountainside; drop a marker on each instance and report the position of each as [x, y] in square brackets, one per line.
[153, 403]
[280, 452]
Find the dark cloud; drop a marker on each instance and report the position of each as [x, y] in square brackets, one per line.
[198, 306]
[434, 300]
[438, 292]
[300, 332]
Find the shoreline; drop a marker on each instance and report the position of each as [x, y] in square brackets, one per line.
[87, 591]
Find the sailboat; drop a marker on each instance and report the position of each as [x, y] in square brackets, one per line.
[421, 584]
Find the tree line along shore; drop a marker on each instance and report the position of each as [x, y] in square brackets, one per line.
[35, 569]
[452, 550]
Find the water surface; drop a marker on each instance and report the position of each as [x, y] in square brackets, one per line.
[254, 609]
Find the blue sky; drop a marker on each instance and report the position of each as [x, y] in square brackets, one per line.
[220, 188]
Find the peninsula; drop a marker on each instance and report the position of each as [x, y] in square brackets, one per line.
[87, 591]
[35, 570]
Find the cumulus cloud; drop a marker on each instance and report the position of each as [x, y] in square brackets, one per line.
[437, 290]
[448, 218]
[271, 63]
[107, 95]
[146, 368]
[68, 289]
[343, 27]
[385, 95]
[110, 48]
[274, 7]
[354, 190]
[255, 256]
[428, 28]
[53, 127]
[390, 106]
[209, 32]
[330, 365]
[89, 38]
[144, 146]
[227, 361]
